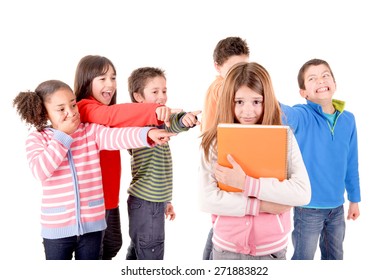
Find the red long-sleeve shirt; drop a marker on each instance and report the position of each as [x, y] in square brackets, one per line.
[118, 115]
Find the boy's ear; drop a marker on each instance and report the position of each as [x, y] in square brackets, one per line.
[303, 94]
[217, 67]
[138, 97]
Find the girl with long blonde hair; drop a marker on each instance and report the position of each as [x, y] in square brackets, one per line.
[254, 223]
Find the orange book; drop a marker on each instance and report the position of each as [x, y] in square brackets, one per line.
[261, 150]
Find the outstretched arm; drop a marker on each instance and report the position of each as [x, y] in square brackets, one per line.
[120, 115]
[190, 119]
[159, 136]
[164, 113]
[182, 121]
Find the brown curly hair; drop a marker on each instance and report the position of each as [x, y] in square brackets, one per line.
[30, 104]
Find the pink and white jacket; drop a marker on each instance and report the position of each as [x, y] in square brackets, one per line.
[238, 224]
[68, 167]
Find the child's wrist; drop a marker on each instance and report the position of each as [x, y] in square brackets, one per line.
[149, 140]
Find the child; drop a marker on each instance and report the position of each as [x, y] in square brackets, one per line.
[228, 51]
[327, 136]
[249, 225]
[65, 158]
[95, 88]
[150, 191]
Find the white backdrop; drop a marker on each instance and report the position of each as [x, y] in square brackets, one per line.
[43, 40]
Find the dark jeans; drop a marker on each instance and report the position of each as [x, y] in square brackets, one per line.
[146, 228]
[112, 236]
[84, 247]
[208, 249]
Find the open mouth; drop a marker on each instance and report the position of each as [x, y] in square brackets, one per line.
[322, 89]
[107, 94]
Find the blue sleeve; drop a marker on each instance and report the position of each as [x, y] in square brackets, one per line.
[62, 137]
[352, 175]
[289, 116]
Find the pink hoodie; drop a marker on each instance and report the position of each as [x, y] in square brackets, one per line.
[238, 224]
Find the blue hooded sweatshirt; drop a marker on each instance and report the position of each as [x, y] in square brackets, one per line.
[330, 152]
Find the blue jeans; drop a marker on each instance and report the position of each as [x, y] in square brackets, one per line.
[112, 240]
[146, 229]
[312, 225]
[84, 247]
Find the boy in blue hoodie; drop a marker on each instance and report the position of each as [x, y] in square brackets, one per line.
[327, 136]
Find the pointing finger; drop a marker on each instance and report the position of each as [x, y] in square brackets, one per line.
[196, 112]
[175, 111]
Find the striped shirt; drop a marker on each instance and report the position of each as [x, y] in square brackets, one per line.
[152, 168]
[68, 167]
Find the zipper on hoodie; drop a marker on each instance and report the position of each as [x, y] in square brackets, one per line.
[332, 127]
[77, 205]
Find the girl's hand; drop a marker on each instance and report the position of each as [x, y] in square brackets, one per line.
[273, 208]
[159, 136]
[190, 119]
[169, 212]
[69, 124]
[163, 114]
[234, 177]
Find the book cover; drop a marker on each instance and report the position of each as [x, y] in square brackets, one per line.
[261, 150]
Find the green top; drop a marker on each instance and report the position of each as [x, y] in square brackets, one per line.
[152, 168]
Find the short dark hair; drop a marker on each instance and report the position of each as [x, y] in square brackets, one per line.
[138, 79]
[228, 47]
[303, 69]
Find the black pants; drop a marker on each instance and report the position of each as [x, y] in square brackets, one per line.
[112, 240]
[146, 229]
